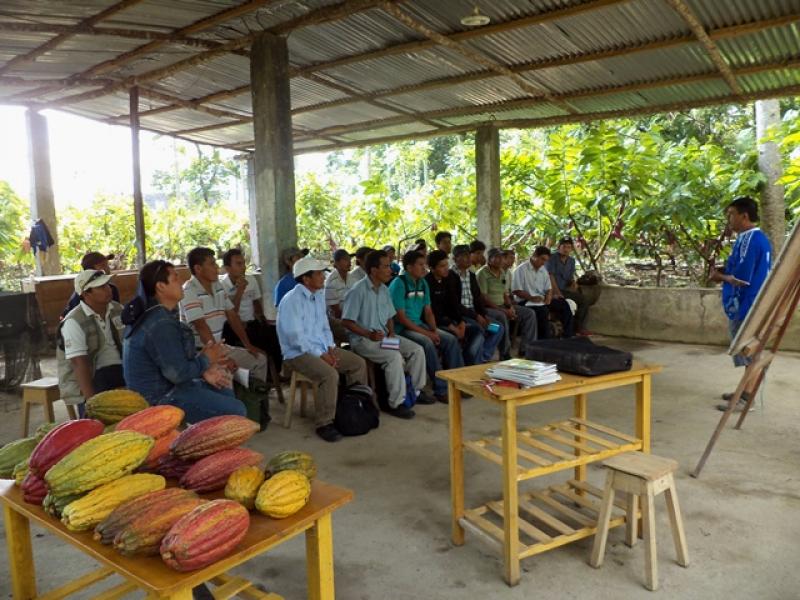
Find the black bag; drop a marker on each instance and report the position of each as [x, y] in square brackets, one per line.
[579, 356]
[356, 414]
[255, 398]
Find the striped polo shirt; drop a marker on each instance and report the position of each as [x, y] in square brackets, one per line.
[197, 304]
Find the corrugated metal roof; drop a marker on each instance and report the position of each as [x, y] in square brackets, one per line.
[415, 83]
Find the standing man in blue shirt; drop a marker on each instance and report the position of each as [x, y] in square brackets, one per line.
[307, 343]
[745, 272]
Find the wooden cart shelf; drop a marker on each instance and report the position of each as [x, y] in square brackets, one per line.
[549, 518]
[558, 446]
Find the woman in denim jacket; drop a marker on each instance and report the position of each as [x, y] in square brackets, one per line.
[159, 357]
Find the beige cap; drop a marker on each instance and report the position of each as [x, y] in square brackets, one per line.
[306, 264]
[90, 279]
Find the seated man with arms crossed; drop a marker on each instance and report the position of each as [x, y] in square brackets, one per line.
[368, 314]
[307, 344]
[415, 321]
[532, 288]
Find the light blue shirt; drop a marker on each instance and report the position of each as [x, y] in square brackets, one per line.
[368, 306]
[303, 323]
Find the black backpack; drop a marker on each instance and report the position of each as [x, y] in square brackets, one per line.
[255, 398]
[356, 413]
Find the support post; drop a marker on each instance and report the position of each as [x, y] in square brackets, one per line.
[42, 202]
[250, 175]
[273, 163]
[138, 203]
[487, 184]
[773, 204]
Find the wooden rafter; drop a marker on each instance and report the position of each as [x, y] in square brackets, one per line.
[691, 19]
[32, 55]
[473, 55]
[189, 103]
[529, 102]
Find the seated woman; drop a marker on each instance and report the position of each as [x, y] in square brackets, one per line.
[159, 357]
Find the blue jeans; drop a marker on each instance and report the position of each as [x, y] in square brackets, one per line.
[480, 343]
[451, 355]
[738, 359]
[200, 401]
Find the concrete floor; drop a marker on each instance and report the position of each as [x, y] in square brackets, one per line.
[742, 516]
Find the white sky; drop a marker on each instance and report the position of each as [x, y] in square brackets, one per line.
[88, 157]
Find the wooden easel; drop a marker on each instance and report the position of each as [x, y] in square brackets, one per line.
[762, 332]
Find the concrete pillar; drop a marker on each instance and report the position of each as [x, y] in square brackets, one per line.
[273, 163]
[250, 185]
[773, 204]
[487, 184]
[42, 203]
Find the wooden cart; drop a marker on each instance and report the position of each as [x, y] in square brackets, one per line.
[151, 575]
[524, 525]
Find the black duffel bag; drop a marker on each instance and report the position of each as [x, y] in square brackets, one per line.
[356, 413]
[579, 356]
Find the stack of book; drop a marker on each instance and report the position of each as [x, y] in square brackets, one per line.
[527, 373]
[391, 343]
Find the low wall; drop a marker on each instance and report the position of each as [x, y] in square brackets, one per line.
[689, 315]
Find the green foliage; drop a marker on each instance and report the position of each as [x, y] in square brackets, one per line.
[14, 218]
[203, 180]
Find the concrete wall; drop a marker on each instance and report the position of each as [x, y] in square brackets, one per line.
[690, 315]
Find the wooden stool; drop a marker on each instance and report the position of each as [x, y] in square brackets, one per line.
[305, 383]
[645, 475]
[42, 391]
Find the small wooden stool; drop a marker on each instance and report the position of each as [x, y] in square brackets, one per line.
[42, 391]
[645, 475]
[305, 383]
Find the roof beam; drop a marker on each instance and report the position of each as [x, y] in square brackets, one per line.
[79, 29]
[528, 102]
[32, 55]
[691, 19]
[328, 13]
[472, 55]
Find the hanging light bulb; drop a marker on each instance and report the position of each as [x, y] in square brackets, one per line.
[476, 19]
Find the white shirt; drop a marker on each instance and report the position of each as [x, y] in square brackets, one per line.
[197, 304]
[535, 282]
[75, 339]
[356, 275]
[336, 288]
[251, 293]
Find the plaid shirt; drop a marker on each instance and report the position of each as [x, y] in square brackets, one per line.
[466, 292]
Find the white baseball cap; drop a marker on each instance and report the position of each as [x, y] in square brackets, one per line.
[89, 279]
[306, 264]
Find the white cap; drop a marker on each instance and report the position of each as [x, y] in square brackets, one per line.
[89, 279]
[306, 264]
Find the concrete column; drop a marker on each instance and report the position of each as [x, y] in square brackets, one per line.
[773, 204]
[41, 192]
[250, 181]
[273, 163]
[487, 184]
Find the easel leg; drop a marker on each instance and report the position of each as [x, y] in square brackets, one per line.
[581, 412]
[751, 397]
[319, 559]
[510, 495]
[20, 555]
[456, 463]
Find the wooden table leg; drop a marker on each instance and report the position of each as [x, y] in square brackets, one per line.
[510, 494]
[581, 412]
[182, 594]
[319, 559]
[20, 554]
[643, 416]
[456, 463]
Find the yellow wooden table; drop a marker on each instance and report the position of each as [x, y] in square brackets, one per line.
[524, 525]
[151, 575]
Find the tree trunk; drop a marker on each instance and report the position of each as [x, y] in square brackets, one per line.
[773, 206]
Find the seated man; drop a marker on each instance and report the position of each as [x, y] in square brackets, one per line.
[368, 314]
[468, 300]
[444, 241]
[561, 268]
[89, 351]
[92, 261]
[359, 272]
[337, 284]
[415, 321]
[392, 254]
[307, 344]
[206, 308]
[476, 255]
[245, 295]
[500, 307]
[289, 256]
[532, 288]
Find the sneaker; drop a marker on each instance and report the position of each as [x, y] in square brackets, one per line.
[423, 398]
[329, 433]
[739, 405]
[441, 398]
[401, 412]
